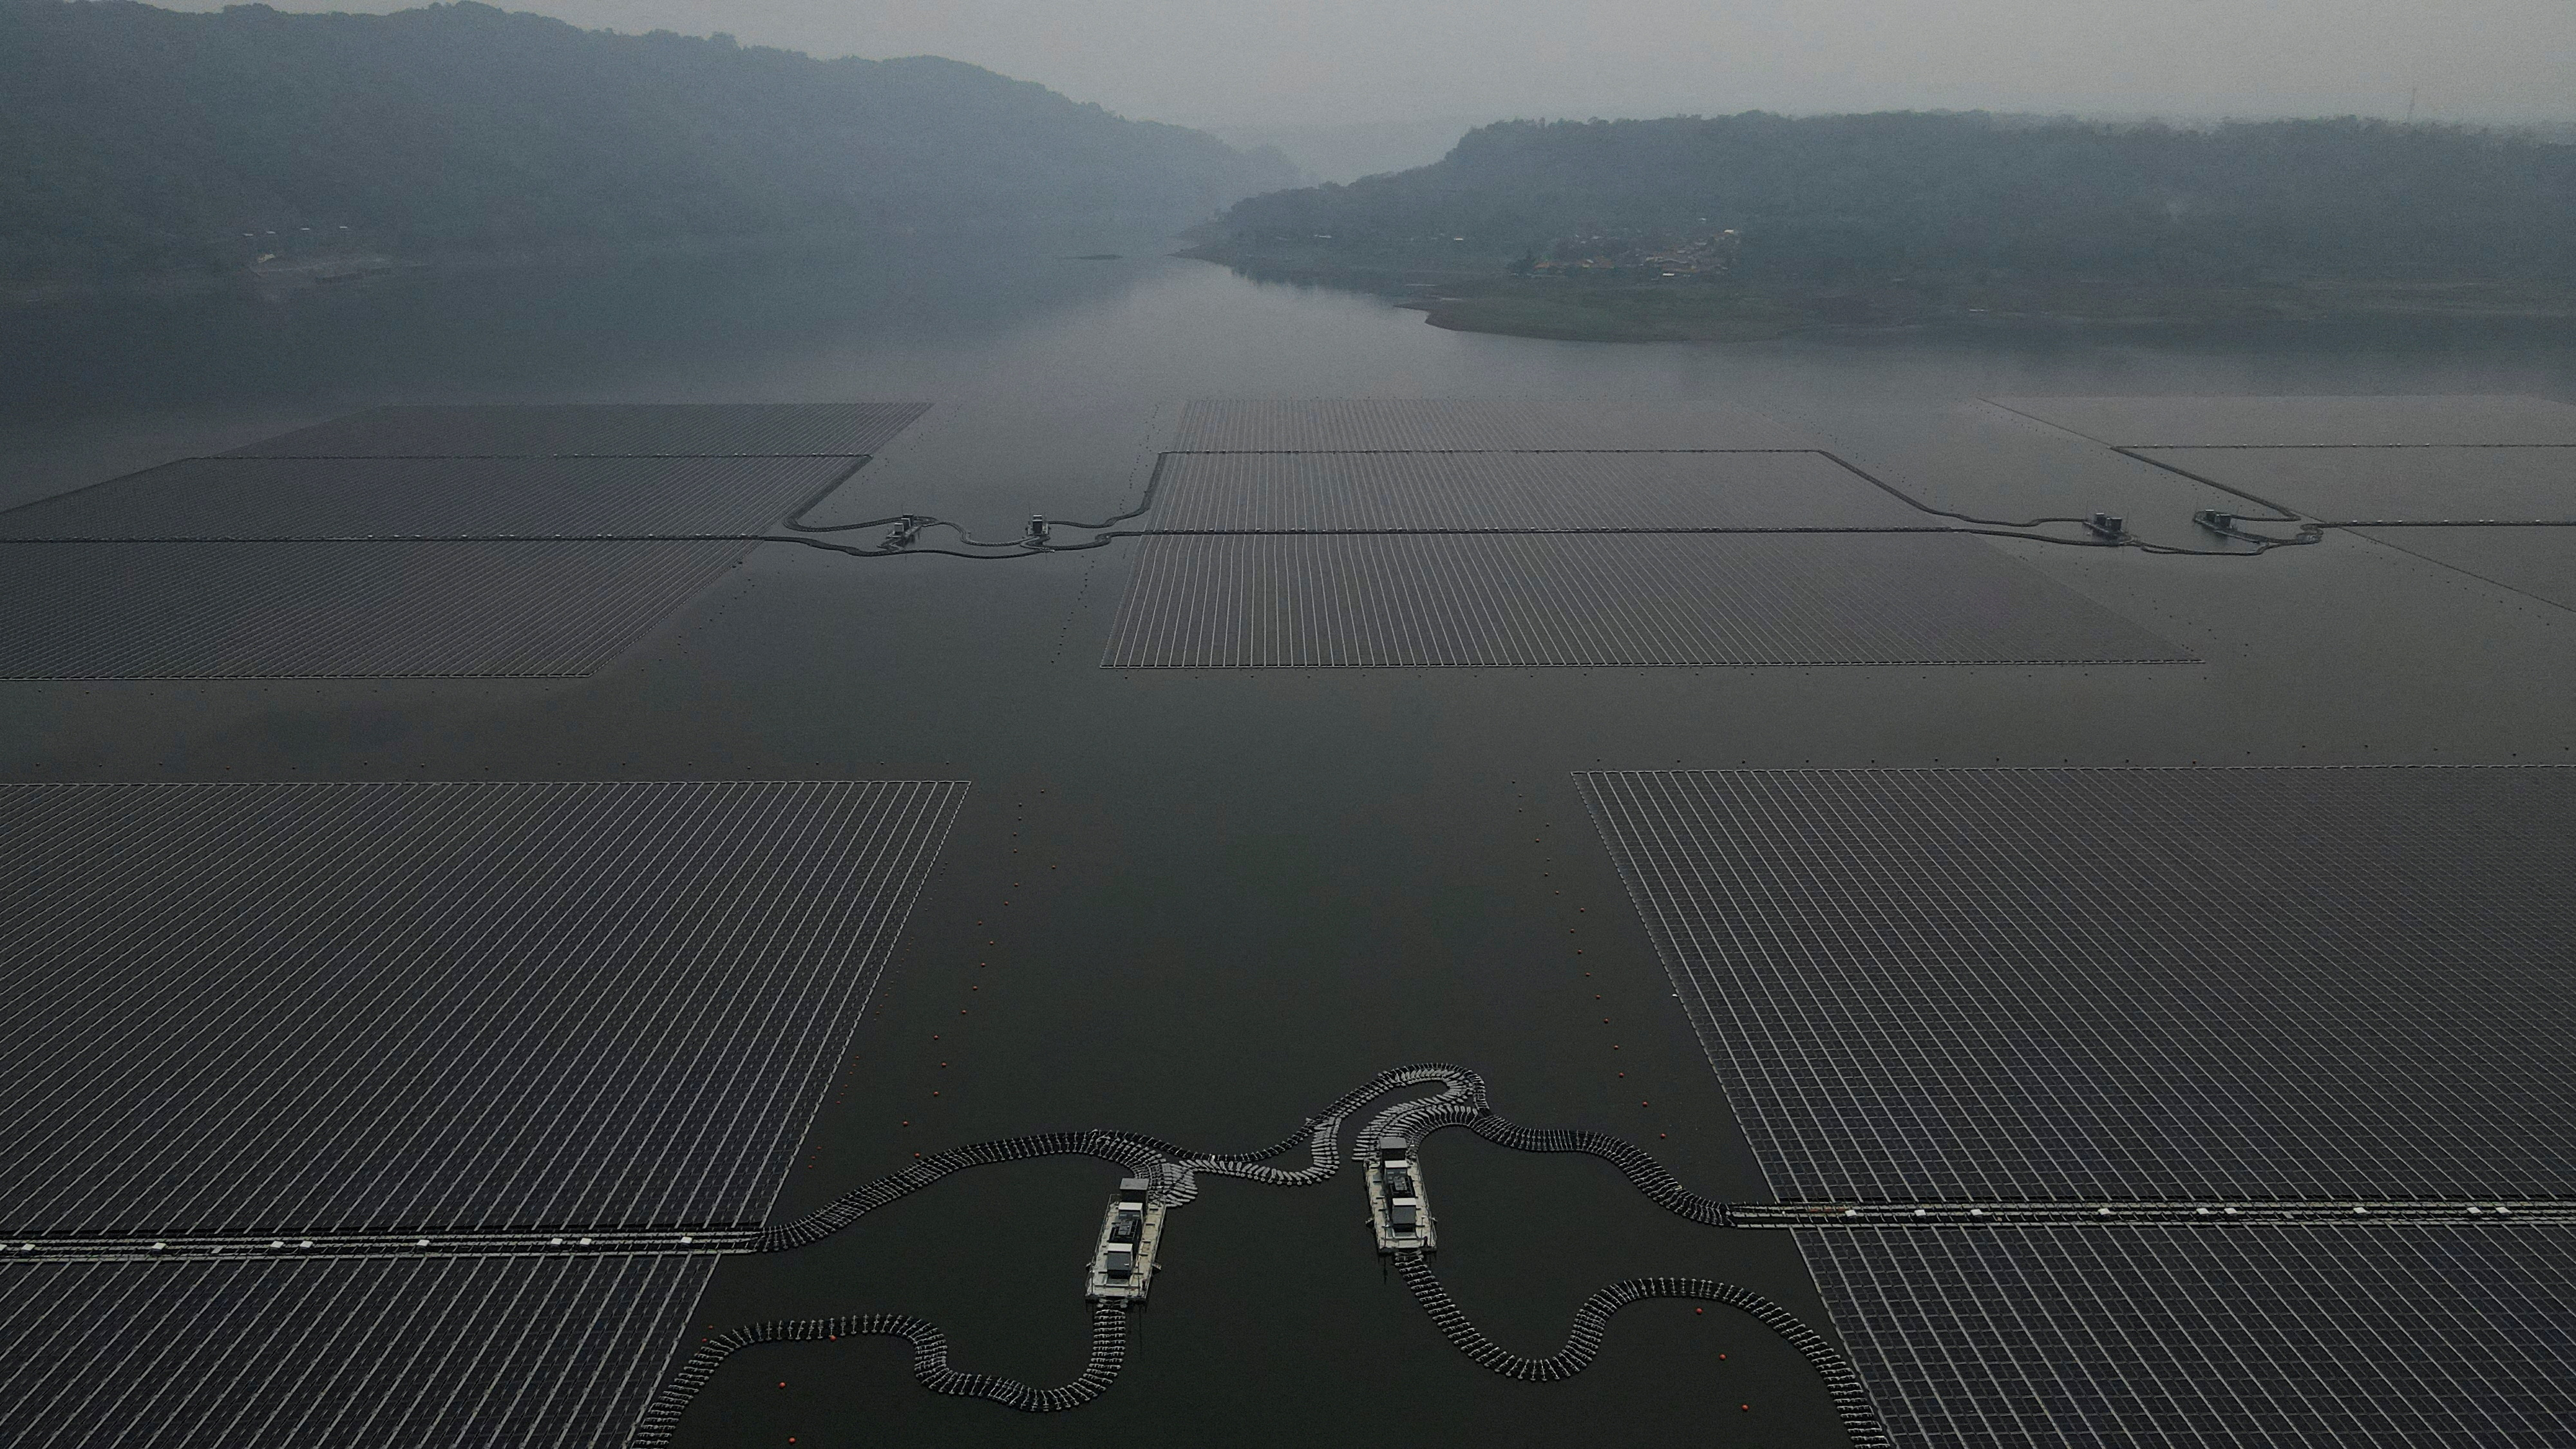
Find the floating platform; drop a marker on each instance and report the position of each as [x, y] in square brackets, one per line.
[1131, 1235]
[1399, 1212]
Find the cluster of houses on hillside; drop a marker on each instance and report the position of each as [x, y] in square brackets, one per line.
[1709, 254]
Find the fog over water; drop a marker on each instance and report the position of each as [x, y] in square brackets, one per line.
[1024, 325]
[1341, 61]
[1262, 885]
[1258, 885]
[1197, 887]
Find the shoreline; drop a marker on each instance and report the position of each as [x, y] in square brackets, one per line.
[396, 266]
[1564, 309]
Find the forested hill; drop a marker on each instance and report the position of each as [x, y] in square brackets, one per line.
[1831, 198]
[139, 139]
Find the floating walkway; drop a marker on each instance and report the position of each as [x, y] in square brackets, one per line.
[1122, 1267]
[1399, 1209]
[1163, 1176]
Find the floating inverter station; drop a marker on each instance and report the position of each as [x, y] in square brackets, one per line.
[1398, 1211]
[1123, 1265]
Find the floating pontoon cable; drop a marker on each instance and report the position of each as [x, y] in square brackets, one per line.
[929, 1365]
[1592, 1318]
[1173, 1171]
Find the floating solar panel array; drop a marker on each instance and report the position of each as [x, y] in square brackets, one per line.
[337, 610]
[1567, 599]
[1420, 425]
[534, 1353]
[605, 430]
[2484, 485]
[2305, 422]
[1557, 533]
[2031, 1338]
[1298, 492]
[487, 541]
[2540, 562]
[2402, 485]
[395, 498]
[2120, 984]
[343, 1007]
[2082, 987]
[409, 1008]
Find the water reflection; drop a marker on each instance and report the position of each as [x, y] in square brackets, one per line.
[95, 386]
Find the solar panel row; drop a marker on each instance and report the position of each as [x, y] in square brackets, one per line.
[534, 1353]
[1354, 424]
[165, 610]
[337, 610]
[1279, 492]
[2539, 562]
[310, 1007]
[2032, 1338]
[2306, 422]
[2090, 984]
[2410, 485]
[614, 430]
[267, 498]
[1566, 599]
[2075, 986]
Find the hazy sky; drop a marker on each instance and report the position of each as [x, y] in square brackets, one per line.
[1253, 63]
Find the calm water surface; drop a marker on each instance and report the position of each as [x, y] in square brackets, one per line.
[1201, 905]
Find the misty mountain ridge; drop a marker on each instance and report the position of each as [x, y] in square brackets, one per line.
[1831, 198]
[145, 140]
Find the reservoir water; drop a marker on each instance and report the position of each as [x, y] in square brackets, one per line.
[1203, 903]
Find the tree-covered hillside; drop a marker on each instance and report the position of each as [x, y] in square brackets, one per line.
[1832, 199]
[137, 139]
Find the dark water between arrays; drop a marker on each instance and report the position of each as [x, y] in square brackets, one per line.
[1202, 904]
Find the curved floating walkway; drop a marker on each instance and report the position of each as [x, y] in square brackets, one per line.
[1174, 1171]
[929, 1364]
[1592, 1318]
[1173, 1168]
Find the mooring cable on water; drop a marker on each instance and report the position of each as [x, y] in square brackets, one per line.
[1592, 1320]
[929, 1365]
[907, 528]
[1173, 1170]
[1105, 530]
